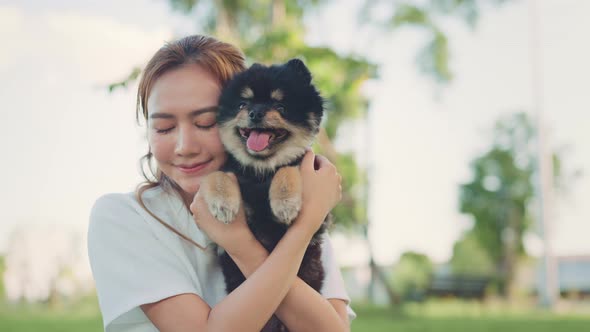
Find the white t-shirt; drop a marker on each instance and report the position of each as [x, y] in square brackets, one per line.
[136, 260]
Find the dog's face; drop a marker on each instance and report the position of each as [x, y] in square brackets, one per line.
[268, 116]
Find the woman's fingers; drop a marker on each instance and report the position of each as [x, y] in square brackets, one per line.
[323, 164]
[307, 164]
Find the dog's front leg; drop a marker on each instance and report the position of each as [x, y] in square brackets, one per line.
[222, 196]
[285, 194]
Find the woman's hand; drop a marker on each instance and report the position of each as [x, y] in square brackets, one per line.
[235, 237]
[322, 189]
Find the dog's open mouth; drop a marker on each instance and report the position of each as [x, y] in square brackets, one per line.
[258, 139]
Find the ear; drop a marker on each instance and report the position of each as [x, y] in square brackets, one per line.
[257, 66]
[299, 67]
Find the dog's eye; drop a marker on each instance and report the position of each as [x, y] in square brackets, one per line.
[242, 105]
[280, 108]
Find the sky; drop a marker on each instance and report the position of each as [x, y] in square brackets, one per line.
[66, 140]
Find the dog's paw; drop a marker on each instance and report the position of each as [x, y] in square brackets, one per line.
[222, 209]
[286, 210]
[222, 196]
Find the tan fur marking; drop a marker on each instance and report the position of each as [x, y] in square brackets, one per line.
[285, 183]
[277, 95]
[242, 118]
[285, 194]
[314, 122]
[275, 119]
[247, 93]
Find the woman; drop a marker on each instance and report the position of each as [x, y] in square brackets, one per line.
[151, 258]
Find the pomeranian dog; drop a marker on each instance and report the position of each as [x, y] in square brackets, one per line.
[267, 118]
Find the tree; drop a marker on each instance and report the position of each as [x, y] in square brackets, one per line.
[469, 258]
[412, 275]
[428, 16]
[499, 195]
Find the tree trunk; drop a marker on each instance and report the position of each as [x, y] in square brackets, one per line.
[376, 274]
[224, 27]
[278, 12]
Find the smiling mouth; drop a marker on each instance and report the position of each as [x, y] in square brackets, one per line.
[259, 139]
[193, 168]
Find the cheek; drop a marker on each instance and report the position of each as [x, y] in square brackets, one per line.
[160, 147]
[215, 143]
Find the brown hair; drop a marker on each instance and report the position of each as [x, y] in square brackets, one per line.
[221, 59]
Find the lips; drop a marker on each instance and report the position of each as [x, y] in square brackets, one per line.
[192, 168]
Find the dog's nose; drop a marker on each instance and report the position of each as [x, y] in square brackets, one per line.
[256, 116]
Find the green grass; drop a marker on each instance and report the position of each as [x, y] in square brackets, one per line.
[34, 323]
[383, 324]
[447, 316]
[82, 316]
[456, 316]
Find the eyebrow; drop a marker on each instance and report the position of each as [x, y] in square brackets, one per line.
[162, 115]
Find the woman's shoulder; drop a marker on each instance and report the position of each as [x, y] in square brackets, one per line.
[107, 203]
[119, 210]
[110, 200]
[113, 204]
[111, 214]
[116, 200]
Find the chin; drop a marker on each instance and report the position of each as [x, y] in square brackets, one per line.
[190, 187]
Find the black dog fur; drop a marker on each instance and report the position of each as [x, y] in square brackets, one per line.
[301, 107]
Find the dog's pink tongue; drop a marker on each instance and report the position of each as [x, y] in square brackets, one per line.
[258, 140]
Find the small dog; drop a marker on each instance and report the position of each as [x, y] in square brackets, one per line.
[267, 118]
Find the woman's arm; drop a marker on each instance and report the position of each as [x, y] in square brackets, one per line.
[249, 306]
[303, 308]
[270, 279]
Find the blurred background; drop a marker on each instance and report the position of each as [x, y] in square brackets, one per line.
[461, 127]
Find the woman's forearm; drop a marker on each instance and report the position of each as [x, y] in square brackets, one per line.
[269, 278]
[302, 308]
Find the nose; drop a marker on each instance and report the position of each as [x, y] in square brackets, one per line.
[256, 115]
[186, 142]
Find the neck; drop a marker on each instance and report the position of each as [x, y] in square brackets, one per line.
[187, 199]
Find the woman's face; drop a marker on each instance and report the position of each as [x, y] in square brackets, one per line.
[182, 131]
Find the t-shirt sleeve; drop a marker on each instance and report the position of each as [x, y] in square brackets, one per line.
[334, 287]
[130, 265]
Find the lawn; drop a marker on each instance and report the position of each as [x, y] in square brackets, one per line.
[382, 320]
[419, 318]
[82, 316]
[34, 323]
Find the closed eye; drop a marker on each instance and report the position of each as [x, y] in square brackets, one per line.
[164, 131]
[207, 126]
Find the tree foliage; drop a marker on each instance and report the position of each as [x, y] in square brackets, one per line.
[469, 258]
[499, 196]
[412, 274]
[433, 59]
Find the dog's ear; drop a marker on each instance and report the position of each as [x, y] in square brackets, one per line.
[299, 67]
[257, 66]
